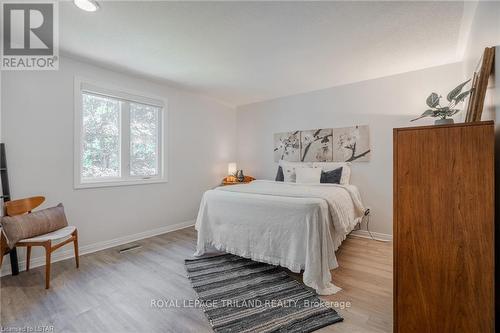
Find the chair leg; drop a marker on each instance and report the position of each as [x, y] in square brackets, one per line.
[28, 257]
[75, 243]
[48, 252]
[14, 265]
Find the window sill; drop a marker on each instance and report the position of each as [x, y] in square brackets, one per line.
[116, 183]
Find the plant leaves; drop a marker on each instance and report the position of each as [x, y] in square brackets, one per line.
[433, 100]
[427, 113]
[454, 93]
[462, 96]
[443, 109]
[442, 112]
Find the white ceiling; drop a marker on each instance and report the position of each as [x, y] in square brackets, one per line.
[243, 52]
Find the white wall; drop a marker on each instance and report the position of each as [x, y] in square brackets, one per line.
[484, 32]
[381, 103]
[37, 127]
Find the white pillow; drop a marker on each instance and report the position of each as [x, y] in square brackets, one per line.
[308, 175]
[345, 179]
[289, 169]
[289, 173]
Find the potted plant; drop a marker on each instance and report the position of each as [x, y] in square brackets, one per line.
[454, 97]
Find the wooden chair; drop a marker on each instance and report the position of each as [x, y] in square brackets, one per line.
[25, 206]
[4, 249]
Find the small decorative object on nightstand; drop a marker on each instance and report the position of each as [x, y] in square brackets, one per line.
[240, 176]
[231, 180]
[235, 176]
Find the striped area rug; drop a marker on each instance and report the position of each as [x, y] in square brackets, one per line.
[241, 295]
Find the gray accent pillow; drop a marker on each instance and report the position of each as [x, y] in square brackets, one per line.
[331, 177]
[34, 224]
[280, 177]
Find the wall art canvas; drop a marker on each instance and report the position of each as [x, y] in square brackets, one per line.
[351, 144]
[287, 146]
[316, 145]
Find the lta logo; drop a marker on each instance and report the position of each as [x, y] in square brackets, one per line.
[30, 36]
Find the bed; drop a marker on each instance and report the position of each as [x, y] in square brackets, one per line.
[292, 225]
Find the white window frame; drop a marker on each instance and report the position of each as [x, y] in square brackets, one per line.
[108, 90]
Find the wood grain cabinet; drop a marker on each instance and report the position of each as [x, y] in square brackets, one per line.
[444, 228]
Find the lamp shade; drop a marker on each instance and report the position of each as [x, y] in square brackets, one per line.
[231, 168]
[87, 5]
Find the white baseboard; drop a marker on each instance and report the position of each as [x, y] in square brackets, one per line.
[376, 235]
[67, 254]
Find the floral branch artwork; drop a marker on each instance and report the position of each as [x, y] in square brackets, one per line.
[323, 145]
[316, 145]
[352, 148]
[287, 146]
[351, 144]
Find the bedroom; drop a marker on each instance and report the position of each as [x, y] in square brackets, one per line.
[149, 107]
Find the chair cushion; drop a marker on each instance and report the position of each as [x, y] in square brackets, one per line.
[38, 223]
[54, 235]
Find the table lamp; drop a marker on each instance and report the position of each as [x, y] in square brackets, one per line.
[231, 169]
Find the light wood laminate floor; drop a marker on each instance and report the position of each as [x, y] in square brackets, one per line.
[112, 292]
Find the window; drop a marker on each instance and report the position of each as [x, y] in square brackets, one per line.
[118, 137]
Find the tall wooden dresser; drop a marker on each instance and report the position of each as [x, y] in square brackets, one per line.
[444, 228]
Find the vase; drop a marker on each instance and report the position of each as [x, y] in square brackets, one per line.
[446, 121]
[240, 176]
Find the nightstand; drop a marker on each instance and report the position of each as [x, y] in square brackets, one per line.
[231, 180]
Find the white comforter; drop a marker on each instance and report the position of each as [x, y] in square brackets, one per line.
[292, 225]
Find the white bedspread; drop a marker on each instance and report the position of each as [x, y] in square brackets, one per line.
[292, 225]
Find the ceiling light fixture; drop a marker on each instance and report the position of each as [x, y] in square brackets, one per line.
[87, 5]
